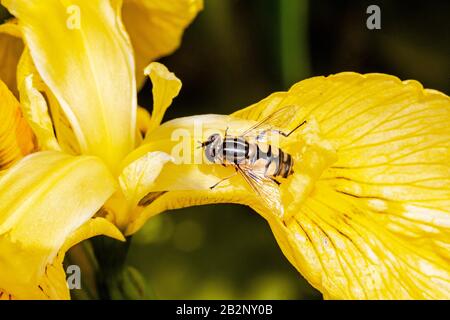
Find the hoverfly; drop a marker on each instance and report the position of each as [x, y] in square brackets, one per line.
[260, 164]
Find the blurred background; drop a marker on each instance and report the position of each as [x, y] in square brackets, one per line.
[236, 53]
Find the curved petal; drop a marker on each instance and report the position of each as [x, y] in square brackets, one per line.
[84, 56]
[137, 176]
[11, 47]
[44, 199]
[156, 27]
[38, 114]
[92, 228]
[166, 87]
[366, 210]
[136, 181]
[16, 137]
[53, 283]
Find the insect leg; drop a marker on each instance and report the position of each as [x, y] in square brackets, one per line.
[287, 135]
[264, 132]
[275, 180]
[224, 179]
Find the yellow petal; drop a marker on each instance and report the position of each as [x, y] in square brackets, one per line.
[53, 284]
[156, 27]
[36, 112]
[44, 199]
[136, 181]
[366, 210]
[5, 295]
[166, 87]
[346, 254]
[66, 139]
[93, 227]
[137, 178]
[11, 47]
[84, 56]
[16, 137]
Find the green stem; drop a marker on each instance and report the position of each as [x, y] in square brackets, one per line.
[82, 256]
[111, 256]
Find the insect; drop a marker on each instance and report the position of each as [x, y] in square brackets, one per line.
[260, 164]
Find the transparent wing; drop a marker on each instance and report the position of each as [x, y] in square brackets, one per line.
[282, 118]
[266, 189]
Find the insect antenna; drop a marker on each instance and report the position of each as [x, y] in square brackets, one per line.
[201, 144]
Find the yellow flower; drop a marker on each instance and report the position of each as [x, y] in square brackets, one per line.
[11, 47]
[365, 214]
[156, 27]
[39, 221]
[366, 211]
[77, 107]
[16, 137]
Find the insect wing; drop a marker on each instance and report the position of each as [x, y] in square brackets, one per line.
[266, 189]
[282, 118]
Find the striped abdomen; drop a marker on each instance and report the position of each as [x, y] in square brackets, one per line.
[271, 160]
[277, 163]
